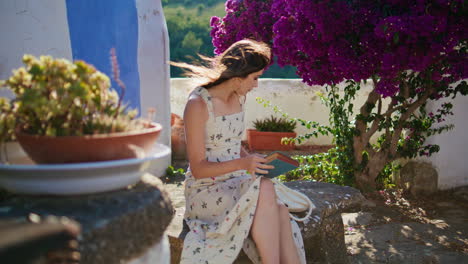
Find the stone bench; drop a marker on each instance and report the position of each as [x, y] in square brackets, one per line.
[122, 226]
[323, 233]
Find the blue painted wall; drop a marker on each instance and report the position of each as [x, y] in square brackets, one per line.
[97, 26]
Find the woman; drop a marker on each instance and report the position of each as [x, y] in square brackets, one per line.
[227, 203]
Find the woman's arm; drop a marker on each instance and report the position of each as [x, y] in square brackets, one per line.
[195, 117]
[244, 152]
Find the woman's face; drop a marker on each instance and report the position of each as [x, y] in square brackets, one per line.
[248, 83]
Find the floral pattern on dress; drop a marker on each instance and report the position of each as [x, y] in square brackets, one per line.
[220, 210]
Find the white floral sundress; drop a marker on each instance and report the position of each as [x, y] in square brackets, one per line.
[220, 210]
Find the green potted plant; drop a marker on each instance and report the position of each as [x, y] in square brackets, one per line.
[66, 112]
[268, 134]
[10, 150]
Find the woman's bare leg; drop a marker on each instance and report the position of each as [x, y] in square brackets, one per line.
[266, 224]
[288, 249]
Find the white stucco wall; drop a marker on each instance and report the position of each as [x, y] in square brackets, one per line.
[28, 27]
[291, 95]
[153, 67]
[158, 253]
[41, 27]
[451, 162]
[300, 100]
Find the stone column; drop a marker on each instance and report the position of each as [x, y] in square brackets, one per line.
[153, 67]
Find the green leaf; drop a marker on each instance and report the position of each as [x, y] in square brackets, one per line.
[396, 38]
[35, 70]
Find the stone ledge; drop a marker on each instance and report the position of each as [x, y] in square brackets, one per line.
[117, 226]
[323, 234]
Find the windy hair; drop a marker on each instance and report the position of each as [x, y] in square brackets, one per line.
[239, 60]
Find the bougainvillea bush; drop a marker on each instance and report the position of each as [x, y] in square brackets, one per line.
[411, 51]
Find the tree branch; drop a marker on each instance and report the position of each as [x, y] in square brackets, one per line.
[374, 127]
[379, 106]
[411, 109]
[370, 150]
[361, 140]
[405, 91]
[375, 123]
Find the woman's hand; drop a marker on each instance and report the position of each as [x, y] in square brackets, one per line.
[255, 163]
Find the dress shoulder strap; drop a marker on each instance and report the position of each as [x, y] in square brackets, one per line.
[242, 99]
[203, 93]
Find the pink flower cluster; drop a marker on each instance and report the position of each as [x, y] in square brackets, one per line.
[333, 40]
[244, 19]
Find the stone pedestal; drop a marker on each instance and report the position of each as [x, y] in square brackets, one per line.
[323, 234]
[123, 226]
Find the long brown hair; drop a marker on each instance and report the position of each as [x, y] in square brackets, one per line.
[239, 60]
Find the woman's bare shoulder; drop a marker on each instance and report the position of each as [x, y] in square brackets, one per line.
[195, 102]
[195, 107]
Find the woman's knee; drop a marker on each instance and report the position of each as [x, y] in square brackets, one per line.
[267, 191]
[283, 212]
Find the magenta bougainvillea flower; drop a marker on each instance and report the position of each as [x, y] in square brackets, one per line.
[330, 40]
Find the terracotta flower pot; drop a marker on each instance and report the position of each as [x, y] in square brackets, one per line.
[259, 140]
[12, 152]
[101, 147]
[178, 145]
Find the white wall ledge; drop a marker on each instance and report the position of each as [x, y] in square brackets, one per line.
[300, 100]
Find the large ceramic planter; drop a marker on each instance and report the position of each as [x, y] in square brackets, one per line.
[101, 147]
[259, 140]
[78, 178]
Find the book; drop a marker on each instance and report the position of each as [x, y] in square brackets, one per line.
[282, 162]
